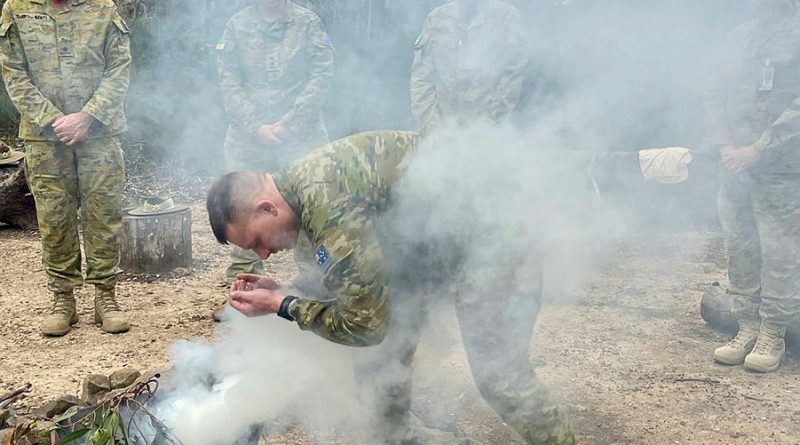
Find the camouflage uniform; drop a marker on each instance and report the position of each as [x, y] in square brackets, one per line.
[271, 73]
[761, 215]
[343, 193]
[467, 71]
[60, 62]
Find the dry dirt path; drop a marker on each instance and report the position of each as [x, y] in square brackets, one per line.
[626, 350]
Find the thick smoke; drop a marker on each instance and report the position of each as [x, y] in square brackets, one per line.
[605, 76]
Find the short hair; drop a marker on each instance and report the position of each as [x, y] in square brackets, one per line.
[224, 200]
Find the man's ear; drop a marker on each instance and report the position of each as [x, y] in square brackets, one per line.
[267, 206]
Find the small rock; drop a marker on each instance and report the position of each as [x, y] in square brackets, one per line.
[5, 415]
[5, 435]
[57, 407]
[124, 378]
[95, 386]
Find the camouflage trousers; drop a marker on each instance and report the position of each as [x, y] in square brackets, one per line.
[496, 331]
[88, 176]
[761, 224]
[244, 152]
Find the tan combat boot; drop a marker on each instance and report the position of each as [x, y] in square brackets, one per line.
[769, 350]
[737, 349]
[62, 315]
[108, 313]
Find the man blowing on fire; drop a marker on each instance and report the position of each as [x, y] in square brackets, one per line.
[343, 197]
[66, 67]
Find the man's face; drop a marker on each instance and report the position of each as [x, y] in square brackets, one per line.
[265, 232]
[271, 5]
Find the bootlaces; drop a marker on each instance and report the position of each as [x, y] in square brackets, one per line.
[108, 303]
[743, 336]
[61, 305]
[766, 342]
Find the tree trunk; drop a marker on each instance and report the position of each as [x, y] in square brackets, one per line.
[17, 207]
[715, 308]
[156, 243]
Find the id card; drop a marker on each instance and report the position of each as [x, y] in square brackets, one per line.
[767, 77]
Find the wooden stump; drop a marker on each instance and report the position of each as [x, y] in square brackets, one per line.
[17, 207]
[715, 308]
[156, 243]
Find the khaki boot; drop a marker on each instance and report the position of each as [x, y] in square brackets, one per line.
[769, 350]
[62, 315]
[737, 349]
[108, 312]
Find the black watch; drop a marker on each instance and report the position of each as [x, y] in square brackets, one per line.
[286, 304]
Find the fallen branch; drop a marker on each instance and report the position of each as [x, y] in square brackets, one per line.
[695, 379]
[11, 396]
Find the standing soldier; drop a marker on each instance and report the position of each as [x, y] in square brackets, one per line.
[66, 64]
[275, 66]
[754, 118]
[468, 64]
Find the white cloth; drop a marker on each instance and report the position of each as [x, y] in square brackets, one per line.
[668, 165]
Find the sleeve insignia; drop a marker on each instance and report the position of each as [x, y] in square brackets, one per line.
[322, 257]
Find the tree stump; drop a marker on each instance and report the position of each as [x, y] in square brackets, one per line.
[17, 207]
[715, 308]
[156, 243]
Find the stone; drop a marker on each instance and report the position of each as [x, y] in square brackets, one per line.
[123, 378]
[94, 387]
[57, 407]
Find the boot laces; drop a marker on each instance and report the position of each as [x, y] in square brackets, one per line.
[61, 305]
[108, 303]
[767, 341]
[745, 334]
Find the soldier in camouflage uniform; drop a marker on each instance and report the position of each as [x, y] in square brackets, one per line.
[342, 196]
[754, 120]
[275, 65]
[468, 64]
[66, 64]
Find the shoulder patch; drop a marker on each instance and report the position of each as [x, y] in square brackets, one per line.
[221, 45]
[322, 257]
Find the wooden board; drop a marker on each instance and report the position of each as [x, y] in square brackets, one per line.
[17, 207]
[156, 243]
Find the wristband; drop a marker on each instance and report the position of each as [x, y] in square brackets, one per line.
[286, 304]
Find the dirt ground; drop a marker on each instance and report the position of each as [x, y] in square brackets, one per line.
[625, 350]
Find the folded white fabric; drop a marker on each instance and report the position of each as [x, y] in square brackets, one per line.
[669, 165]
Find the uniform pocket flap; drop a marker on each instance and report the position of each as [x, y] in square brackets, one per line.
[119, 22]
[4, 27]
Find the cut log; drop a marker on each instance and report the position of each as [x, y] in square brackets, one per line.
[715, 308]
[17, 207]
[156, 243]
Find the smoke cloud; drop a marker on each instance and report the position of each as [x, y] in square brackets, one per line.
[604, 76]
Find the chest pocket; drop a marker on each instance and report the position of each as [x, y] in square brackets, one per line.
[38, 35]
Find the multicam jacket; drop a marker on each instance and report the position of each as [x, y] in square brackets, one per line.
[338, 191]
[277, 72]
[60, 62]
[468, 70]
[755, 98]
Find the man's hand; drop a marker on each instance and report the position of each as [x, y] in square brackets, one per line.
[256, 302]
[281, 132]
[267, 136]
[256, 282]
[73, 128]
[739, 160]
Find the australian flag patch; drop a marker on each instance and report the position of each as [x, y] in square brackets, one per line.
[322, 257]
